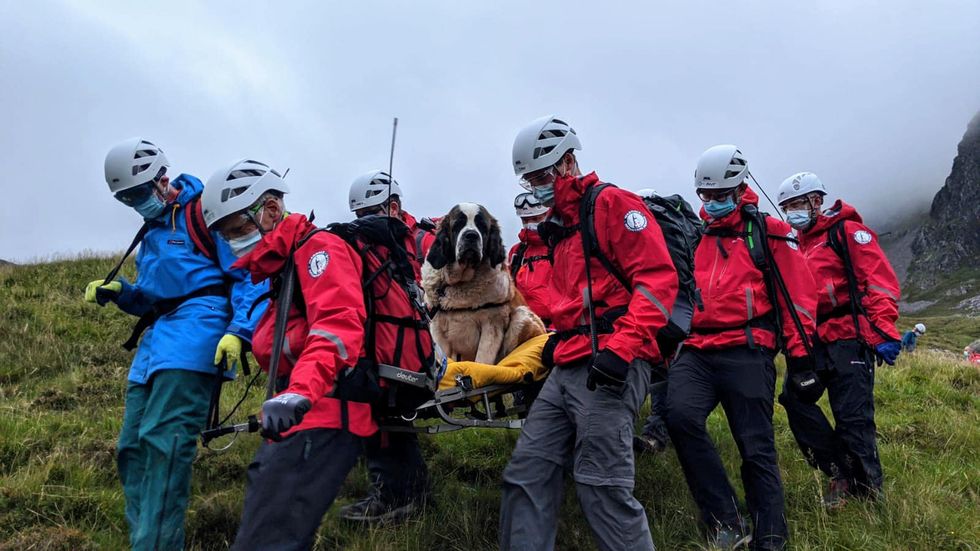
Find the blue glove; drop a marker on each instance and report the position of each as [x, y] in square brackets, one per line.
[608, 369]
[888, 351]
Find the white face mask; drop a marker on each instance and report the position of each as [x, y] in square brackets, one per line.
[241, 246]
[799, 219]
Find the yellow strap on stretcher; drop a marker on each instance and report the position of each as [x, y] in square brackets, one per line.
[514, 368]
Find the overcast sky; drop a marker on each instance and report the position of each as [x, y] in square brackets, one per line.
[872, 96]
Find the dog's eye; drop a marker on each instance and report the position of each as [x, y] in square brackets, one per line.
[460, 221]
[481, 222]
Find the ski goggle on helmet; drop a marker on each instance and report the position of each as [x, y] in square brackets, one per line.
[138, 194]
[526, 204]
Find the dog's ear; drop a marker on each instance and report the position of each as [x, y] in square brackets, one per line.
[442, 251]
[494, 249]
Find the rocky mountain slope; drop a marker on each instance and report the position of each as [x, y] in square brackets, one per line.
[945, 264]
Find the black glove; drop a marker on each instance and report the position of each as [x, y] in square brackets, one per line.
[803, 379]
[282, 413]
[608, 369]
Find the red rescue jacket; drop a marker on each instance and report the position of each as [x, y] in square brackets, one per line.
[630, 238]
[733, 290]
[533, 277]
[331, 335]
[876, 280]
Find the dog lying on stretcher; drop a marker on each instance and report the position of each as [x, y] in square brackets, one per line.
[477, 312]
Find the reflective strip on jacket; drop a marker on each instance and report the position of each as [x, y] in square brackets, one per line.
[733, 290]
[631, 239]
[168, 266]
[877, 283]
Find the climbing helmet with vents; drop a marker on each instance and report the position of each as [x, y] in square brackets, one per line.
[237, 187]
[721, 167]
[372, 189]
[133, 163]
[541, 144]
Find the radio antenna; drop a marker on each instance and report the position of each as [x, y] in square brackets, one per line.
[391, 162]
[763, 190]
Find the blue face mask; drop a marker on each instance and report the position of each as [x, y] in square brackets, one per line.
[241, 246]
[799, 219]
[720, 209]
[151, 208]
[544, 194]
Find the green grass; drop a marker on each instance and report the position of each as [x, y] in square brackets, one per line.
[62, 380]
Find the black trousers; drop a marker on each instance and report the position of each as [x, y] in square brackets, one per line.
[396, 467]
[656, 424]
[291, 484]
[743, 381]
[848, 450]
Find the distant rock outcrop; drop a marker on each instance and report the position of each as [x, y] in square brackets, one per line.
[949, 244]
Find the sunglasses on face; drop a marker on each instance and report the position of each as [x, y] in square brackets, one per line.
[138, 194]
[715, 194]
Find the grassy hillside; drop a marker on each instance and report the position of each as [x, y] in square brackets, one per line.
[62, 377]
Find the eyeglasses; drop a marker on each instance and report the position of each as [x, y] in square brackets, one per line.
[715, 194]
[539, 178]
[796, 204]
[138, 194]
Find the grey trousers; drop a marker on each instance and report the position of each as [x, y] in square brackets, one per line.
[592, 431]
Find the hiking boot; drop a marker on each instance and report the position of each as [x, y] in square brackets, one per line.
[730, 537]
[373, 510]
[837, 493]
[646, 444]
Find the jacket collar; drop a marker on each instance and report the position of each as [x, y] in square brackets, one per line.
[270, 255]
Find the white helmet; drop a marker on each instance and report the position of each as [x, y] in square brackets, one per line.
[798, 185]
[371, 190]
[133, 162]
[721, 167]
[526, 204]
[920, 328]
[646, 192]
[542, 143]
[238, 187]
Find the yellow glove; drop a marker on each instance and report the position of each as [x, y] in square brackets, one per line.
[229, 347]
[96, 292]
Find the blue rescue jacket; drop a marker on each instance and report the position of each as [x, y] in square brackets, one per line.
[167, 267]
[909, 341]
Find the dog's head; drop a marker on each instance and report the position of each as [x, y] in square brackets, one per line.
[468, 235]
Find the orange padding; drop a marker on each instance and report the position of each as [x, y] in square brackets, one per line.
[514, 368]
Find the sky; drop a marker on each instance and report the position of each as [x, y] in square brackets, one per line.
[872, 96]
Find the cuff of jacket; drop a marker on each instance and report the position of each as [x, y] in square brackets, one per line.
[240, 332]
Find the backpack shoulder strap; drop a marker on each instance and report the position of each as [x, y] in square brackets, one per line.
[587, 227]
[515, 263]
[198, 230]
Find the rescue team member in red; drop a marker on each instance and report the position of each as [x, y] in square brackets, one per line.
[397, 471]
[848, 451]
[371, 194]
[728, 358]
[585, 411]
[530, 264]
[293, 481]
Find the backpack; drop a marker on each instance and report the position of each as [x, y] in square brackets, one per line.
[681, 229]
[392, 390]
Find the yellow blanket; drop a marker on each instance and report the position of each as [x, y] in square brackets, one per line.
[523, 364]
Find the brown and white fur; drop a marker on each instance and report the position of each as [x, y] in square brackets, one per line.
[480, 315]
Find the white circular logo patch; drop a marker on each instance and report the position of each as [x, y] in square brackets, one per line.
[792, 240]
[862, 237]
[635, 220]
[318, 264]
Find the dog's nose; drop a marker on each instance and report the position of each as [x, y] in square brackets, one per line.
[471, 235]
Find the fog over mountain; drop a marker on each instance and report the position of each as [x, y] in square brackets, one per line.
[872, 96]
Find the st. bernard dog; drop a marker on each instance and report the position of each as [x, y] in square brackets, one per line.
[478, 313]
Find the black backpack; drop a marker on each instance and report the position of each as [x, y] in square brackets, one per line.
[519, 259]
[404, 389]
[837, 241]
[681, 229]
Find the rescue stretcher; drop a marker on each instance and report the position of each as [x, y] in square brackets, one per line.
[475, 395]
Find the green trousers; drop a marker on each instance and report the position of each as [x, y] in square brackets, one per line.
[157, 445]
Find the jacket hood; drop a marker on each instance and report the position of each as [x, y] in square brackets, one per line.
[733, 219]
[568, 194]
[270, 255]
[839, 211]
